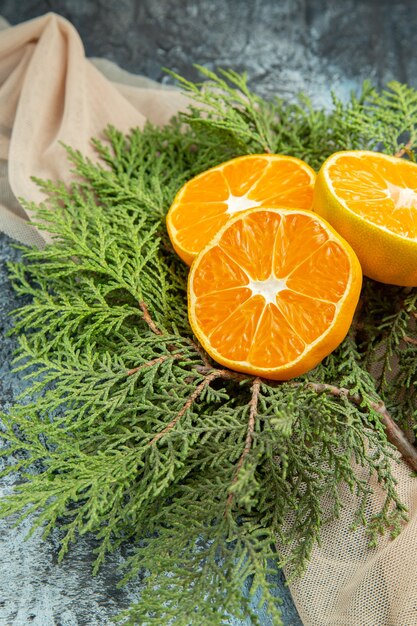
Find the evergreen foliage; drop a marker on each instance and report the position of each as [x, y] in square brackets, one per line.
[129, 430]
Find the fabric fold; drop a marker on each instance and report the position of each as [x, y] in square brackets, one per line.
[50, 94]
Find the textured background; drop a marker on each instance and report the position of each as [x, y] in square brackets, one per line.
[285, 46]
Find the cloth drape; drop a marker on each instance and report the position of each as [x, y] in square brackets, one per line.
[51, 93]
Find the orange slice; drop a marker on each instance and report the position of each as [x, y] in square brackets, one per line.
[371, 200]
[205, 203]
[274, 292]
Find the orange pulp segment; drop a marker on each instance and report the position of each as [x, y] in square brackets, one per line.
[371, 199]
[274, 292]
[205, 203]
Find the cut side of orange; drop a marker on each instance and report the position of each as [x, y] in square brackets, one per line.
[274, 292]
[371, 200]
[205, 203]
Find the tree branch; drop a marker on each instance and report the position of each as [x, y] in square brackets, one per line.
[253, 411]
[191, 399]
[394, 433]
[201, 352]
[224, 373]
[159, 359]
[405, 149]
[154, 328]
[146, 316]
[410, 340]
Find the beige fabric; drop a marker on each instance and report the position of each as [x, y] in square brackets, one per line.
[50, 92]
[349, 584]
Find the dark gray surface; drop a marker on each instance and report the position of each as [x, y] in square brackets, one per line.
[285, 46]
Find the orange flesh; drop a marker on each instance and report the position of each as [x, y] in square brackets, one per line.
[383, 192]
[206, 203]
[269, 287]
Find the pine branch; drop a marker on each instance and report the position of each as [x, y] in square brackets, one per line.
[192, 398]
[394, 434]
[410, 340]
[244, 118]
[152, 362]
[130, 432]
[382, 120]
[224, 373]
[404, 149]
[148, 319]
[253, 409]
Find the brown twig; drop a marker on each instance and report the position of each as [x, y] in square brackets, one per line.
[154, 328]
[399, 439]
[200, 350]
[159, 359]
[191, 399]
[146, 316]
[394, 433]
[253, 410]
[223, 373]
[408, 339]
[404, 149]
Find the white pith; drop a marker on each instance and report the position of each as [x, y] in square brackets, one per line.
[235, 204]
[403, 197]
[268, 288]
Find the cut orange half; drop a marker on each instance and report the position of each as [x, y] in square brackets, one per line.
[274, 292]
[205, 203]
[371, 200]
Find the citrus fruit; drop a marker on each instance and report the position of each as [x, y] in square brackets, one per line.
[371, 200]
[206, 202]
[274, 292]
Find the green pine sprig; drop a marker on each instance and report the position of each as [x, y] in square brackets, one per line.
[129, 431]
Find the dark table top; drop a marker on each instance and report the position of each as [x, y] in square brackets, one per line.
[285, 46]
